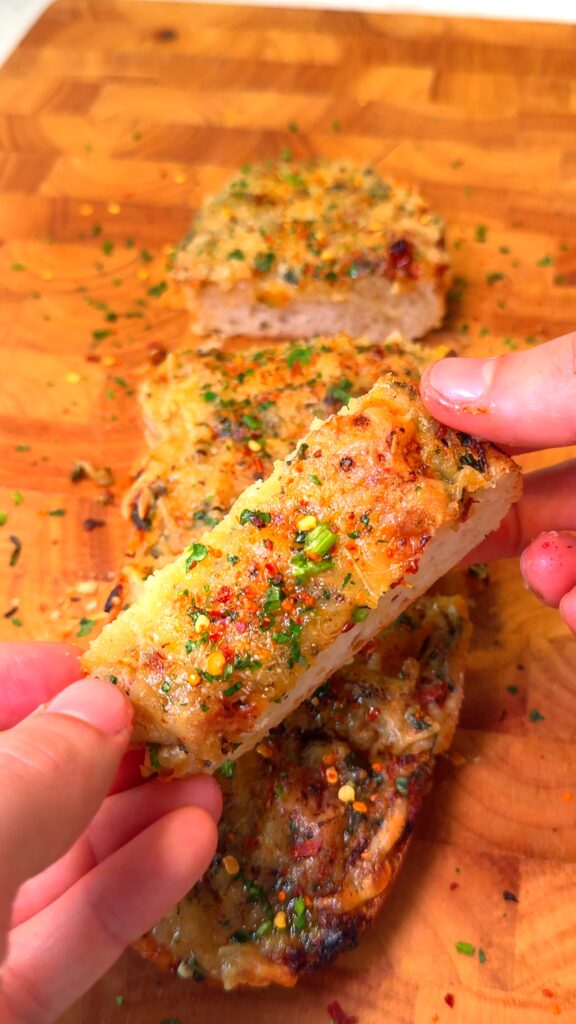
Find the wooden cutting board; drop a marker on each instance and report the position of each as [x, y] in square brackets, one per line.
[115, 119]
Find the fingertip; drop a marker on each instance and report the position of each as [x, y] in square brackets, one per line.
[96, 703]
[548, 566]
[568, 609]
[203, 791]
[33, 673]
[188, 838]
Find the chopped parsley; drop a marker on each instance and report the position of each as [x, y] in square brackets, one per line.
[360, 613]
[481, 232]
[196, 553]
[315, 480]
[57, 512]
[236, 254]
[227, 769]
[546, 261]
[341, 392]
[17, 497]
[300, 354]
[85, 626]
[158, 289]
[263, 262]
[255, 517]
[494, 276]
[536, 716]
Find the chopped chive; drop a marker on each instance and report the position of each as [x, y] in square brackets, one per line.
[466, 948]
[320, 540]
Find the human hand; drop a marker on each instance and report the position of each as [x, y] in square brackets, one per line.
[525, 401]
[82, 874]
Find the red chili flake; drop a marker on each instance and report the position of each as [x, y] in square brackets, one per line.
[373, 714]
[156, 353]
[401, 256]
[449, 999]
[338, 1015]
[268, 544]
[548, 993]
[454, 885]
[223, 595]
[309, 848]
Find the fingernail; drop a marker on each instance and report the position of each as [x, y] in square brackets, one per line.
[461, 382]
[99, 704]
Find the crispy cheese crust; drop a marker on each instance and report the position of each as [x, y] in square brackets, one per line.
[217, 420]
[375, 504]
[285, 242]
[299, 873]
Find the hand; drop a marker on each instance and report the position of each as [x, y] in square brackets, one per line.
[523, 402]
[82, 874]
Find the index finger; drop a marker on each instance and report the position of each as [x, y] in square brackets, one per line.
[31, 674]
[525, 400]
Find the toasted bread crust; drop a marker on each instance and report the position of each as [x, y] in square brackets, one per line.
[226, 641]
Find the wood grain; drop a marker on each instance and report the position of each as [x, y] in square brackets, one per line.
[116, 117]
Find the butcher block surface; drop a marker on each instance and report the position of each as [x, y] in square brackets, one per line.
[116, 118]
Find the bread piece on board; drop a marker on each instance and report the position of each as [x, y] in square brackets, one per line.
[303, 865]
[294, 250]
[220, 417]
[376, 503]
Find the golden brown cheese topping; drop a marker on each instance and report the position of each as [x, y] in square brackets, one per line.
[286, 226]
[221, 418]
[221, 638]
[316, 819]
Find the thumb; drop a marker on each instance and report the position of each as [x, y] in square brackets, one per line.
[56, 767]
[524, 400]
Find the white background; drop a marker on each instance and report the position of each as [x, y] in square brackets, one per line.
[17, 16]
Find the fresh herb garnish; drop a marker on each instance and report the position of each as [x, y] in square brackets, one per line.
[466, 948]
[255, 517]
[196, 553]
[157, 289]
[85, 626]
[263, 262]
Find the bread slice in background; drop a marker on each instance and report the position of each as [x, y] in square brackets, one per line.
[300, 872]
[292, 249]
[376, 503]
